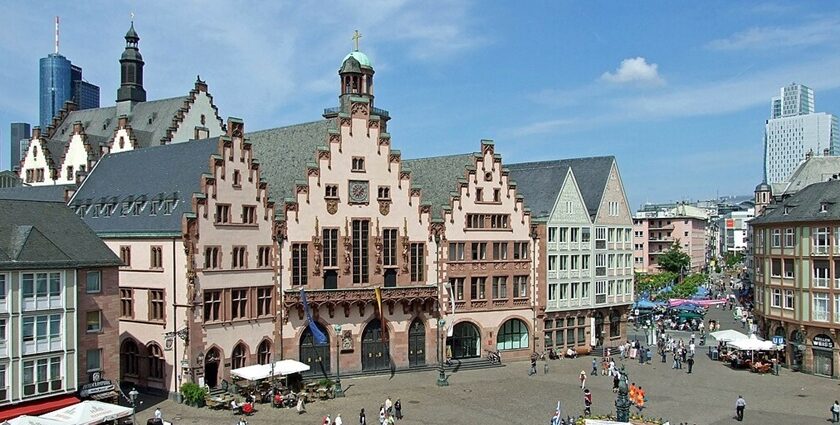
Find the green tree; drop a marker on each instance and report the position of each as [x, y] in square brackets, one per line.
[732, 259]
[674, 259]
[653, 282]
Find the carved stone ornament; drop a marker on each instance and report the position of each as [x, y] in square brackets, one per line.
[384, 207]
[377, 243]
[332, 206]
[346, 341]
[360, 108]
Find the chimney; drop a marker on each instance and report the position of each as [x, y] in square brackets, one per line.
[809, 154]
[826, 152]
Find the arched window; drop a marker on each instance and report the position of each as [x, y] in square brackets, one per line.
[130, 358]
[615, 324]
[264, 352]
[237, 359]
[156, 362]
[513, 335]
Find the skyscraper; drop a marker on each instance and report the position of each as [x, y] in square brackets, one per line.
[19, 137]
[794, 130]
[61, 81]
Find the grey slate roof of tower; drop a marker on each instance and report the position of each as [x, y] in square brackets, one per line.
[37, 234]
[805, 205]
[167, 175]
[540, 182]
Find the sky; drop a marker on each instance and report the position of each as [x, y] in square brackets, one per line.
[678, 92]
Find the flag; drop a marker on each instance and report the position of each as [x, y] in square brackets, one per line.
[384, 332]
[449, 330]
[319, 336]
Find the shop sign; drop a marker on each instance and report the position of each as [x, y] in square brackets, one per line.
[779, 340]
[823, 341]
[97, 385]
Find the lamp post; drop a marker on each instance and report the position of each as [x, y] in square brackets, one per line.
[133, 394]
[441, 381]
[622, 402]
[338, 392]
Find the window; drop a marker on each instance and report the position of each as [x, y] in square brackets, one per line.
[156, 259]
[584, 262]
[249, 214]
[42, 376]
[513, 335]
[125, 255]
[479, 194]
[500, 250]
[520, 286]
[500, 287]
[584, 234]
[600, 265]
[264, 352]
[94, 282]
[222, 213]
[552, 292]
[564, 262]
[564, 235]
[457, 284]
[520, 250]
[239, 304]
[584, 290]
[475, 221]
[418, 254]
[497, 195]
[479, 251]
[776, 267]
[788, 299]
[389, 247]
[789, 238]
[156, 305]
[358, 164]
[777, 298]
[574, 290]
[456, 251]
[329, 248]
[613, 207]
[360, 242]
[264, 301]
[237, 178]
[570, 208]
[41, 333]
[212, 306]
[552, 263]
[552, 234]
[820, 307]
[94, 360]
[499, 221]
[94, 321]
[600, 291]
[264, 256]
[820, 239]
[157, 363]
[600, 238]
[575, 262]
[127, 303]
[574, 234]
[212, 259]
[300, 263]
[477, 288]
[384, 192]
[331, 191]
[4, 395]
[238, 258]
[564, 291]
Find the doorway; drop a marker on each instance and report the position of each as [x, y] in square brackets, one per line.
[317, 356]
[375, 355]
[465, 341]
[390, 278]
[211, 368]
[330, 279]
[416, 344]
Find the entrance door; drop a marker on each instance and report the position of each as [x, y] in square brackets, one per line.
[375, 354]
[599, 329]
[416, 344]
[465, 341]
[330, 279]
[823, 362]
[317, 356]
[211, 368]
[390, 278]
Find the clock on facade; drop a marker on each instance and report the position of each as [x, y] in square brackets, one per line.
[359, 192]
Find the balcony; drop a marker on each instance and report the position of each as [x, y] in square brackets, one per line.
[662, 228]
[660, 239]
[375, 111]
[361, 297]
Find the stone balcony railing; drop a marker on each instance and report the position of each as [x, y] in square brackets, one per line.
[424, 297]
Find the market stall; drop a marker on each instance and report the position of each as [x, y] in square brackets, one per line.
[259, 383]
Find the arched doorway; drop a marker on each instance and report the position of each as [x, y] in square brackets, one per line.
[615, 324]
[416, 344]
[317, 356]
[599, 329]
[130, 359]
[797, 343]
[513, 335]
[375, 355]
[211, 367]
[465, 341]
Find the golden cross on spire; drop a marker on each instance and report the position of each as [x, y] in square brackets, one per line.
[132, 16]
[356, 36]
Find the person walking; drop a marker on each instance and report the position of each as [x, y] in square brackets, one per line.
[338, 420]
[587, 402]
[835, 412]
[594, 367]
[582, 378]
[301, 405]
[615, 382]
[389, 406]
[398, 408]
[533, 369]
[158, 414]
[740, 405]
[690, 363]
[362, 417]
[381, 414]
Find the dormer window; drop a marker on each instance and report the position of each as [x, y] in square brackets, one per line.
[823, 207]
[786, 210]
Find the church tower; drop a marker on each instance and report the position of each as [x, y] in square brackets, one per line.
[356, 80]
[763, 197]
[131, 75]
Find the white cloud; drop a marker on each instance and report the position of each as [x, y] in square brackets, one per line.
[807, 34]
[635, 70]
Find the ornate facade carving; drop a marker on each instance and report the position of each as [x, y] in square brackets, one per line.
[384, 206]
[332, 206]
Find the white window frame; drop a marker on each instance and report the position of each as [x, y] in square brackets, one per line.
[99, 321]
[48, 297]
[790, 238]
[47, 381]
[821, 276]
[776, 299]
[820, 314]
[98, 367]
[789, 299]
[46, 333]
[98, 282]
[820, 240]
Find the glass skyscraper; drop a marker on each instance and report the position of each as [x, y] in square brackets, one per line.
[62, 81]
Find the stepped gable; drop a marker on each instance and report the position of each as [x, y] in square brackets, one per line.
[158, 181]
[438, 178]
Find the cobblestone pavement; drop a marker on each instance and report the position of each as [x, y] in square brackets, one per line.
[508, 396]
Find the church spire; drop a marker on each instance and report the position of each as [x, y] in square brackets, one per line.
[131, 70]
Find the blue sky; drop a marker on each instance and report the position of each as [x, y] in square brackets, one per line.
[677, 91]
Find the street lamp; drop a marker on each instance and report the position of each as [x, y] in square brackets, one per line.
[441, 381]
[133, 394]
[338, 392]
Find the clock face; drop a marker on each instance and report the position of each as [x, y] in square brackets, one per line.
[358, 191]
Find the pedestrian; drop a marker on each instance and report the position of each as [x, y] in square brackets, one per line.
[389, 406]
[327, 420]
[662, 353]
[398, 408]
[594, 367]
[533, 369]
[615, 382]
[242, 421]
[835, 412]
[740, 404]
[362, 417]
[301, 405]
[690, 363]
[158, 414]
[622, 352]
[381, 414]
[640, 399]
[649, 354]
[676, 360]
[587, 402]
[582, 378]
[642, 355]
[338, 420]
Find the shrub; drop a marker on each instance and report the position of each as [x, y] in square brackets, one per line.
[193, 394]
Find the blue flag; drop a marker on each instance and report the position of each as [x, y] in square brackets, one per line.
[319, 336]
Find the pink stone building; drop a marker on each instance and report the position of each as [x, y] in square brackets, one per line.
[654, 232]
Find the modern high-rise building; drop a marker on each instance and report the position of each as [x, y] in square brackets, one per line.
[18, 137]
[794, 130]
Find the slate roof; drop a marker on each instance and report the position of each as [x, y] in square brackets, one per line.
[540, 182]
[812, 170]
[804, 206]
[437, 177]
[54, 193]
[164, 177]
[37, 234]
[284, 153]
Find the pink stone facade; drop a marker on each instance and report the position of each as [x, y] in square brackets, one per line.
[652, 236]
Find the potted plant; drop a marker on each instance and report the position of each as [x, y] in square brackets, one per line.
[193, 395]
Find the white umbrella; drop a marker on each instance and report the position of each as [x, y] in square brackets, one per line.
[728, 335]
[89, 412]
[32, 420]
